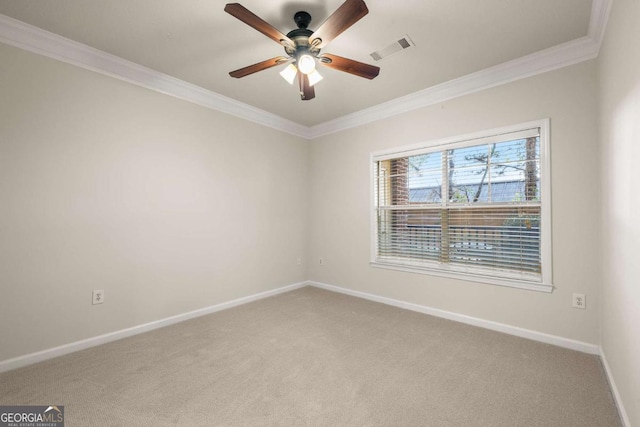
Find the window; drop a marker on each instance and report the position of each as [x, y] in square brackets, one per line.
[475, 207]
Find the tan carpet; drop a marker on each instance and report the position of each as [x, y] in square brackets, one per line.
[316, 358]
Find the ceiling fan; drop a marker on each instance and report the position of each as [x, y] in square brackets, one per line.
[303, 46]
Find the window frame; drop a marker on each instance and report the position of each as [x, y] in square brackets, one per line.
[469, 273]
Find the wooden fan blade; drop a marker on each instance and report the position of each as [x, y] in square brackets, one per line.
[306, 90]
[258, 67]
[249, 18]
[345, 16]
[349, 66]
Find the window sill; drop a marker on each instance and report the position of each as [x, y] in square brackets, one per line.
[467, 276]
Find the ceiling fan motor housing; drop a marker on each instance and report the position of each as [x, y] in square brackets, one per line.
[300, 37]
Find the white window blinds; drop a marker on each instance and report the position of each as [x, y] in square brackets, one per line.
[473, 206]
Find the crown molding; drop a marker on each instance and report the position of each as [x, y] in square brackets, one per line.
[540, 62]
[37, 40]
[600, 10]
[42, 42]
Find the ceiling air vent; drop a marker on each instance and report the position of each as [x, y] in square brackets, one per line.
[394, 47]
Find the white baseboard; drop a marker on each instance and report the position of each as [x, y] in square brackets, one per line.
[474, 321]
[29, 359]
[500, 327]
[614, 389]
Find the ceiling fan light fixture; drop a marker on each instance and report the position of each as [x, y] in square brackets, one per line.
[306, 63]
[289, 73]
[302, 46]
[314, 77]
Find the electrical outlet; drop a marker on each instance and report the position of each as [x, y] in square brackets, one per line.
[299, 262]
[579, 301]
[98, 297]
[321, 261]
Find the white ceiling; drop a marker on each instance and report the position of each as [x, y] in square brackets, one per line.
[196, 41]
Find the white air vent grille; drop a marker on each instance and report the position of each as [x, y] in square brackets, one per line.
[401, 44]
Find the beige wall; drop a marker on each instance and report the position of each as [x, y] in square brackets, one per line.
[340, 203]
[619, 76]
[167, 206]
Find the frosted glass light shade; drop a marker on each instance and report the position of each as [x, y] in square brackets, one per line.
[314, 77]
[289, 73]
[306, 64]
